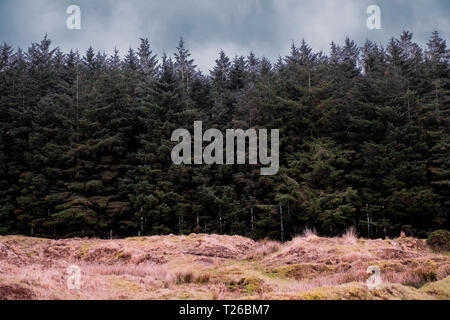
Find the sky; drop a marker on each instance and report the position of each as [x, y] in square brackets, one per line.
[266, 27]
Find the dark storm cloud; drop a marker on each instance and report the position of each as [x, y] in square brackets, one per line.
[237, 26]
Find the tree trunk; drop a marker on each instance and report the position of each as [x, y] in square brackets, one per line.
[281, 223]
[252, 219]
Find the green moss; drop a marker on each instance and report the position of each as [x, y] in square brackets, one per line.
[249, 285]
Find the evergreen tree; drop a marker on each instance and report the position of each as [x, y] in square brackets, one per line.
[85, 145]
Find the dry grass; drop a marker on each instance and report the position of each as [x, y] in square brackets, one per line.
[350, 235]
[264, 248]
[309, 233]
[218, 291]
[220, 267]
[156, 272]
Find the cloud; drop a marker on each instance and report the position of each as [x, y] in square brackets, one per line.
[266, 27]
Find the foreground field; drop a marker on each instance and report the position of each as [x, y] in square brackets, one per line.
[202, 266]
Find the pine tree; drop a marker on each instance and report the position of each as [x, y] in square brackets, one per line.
[364, 141]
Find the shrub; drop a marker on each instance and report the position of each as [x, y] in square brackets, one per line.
[184, 277]
[439, 239]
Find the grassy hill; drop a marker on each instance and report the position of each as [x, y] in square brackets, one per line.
[200, 266]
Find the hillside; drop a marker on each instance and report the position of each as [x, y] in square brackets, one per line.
[201, 266]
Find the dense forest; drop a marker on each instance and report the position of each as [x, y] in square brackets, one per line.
[364, 141]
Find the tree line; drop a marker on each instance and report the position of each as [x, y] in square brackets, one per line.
[364, 141]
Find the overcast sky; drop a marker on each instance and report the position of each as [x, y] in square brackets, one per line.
[237, 26]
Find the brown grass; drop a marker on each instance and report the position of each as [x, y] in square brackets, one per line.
[350, 235]
[264, 248]
[202, 266]
[309, 233]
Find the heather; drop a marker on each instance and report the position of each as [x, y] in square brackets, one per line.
[201, 266]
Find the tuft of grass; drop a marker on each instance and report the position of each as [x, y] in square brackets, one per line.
[218, 291]
[350, 235]
[186, 276]
[309, 233]
[264, 248]
[203, 278]
[154, 272]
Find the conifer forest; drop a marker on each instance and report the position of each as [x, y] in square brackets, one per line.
[85, 141]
